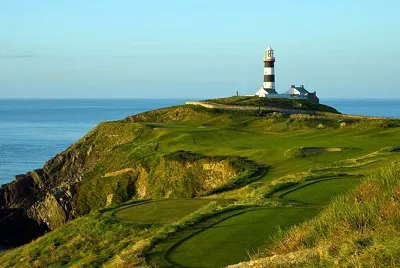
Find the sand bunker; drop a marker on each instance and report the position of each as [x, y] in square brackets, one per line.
[321, 149]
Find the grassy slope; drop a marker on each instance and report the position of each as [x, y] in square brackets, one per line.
[267, 140]
[359, 229]
[85, 242]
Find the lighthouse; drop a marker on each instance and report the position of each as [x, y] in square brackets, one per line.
[267, 89]
[269, 73]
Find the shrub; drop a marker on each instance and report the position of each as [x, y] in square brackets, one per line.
[296, 152]
[302, 117]
[276, 115]
[184, 156]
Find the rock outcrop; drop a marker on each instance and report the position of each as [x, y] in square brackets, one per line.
[34, 203]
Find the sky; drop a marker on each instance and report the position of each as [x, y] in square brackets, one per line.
[197, 48]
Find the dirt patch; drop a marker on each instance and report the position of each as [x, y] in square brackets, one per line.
[119, 172]
[395, 150]
[321, 149]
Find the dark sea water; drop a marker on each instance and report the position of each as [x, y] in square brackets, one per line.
[375, 107]
[32, 131]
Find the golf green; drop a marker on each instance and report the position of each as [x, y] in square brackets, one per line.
[320, 193]
[159, 211]
[235, 239]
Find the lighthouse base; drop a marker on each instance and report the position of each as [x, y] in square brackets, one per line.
[263, 92]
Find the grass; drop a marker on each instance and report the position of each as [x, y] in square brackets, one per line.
[150, 247]
[233, 239]
[163, 153]
[159, 212]
[321, 192]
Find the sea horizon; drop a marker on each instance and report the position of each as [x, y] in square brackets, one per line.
[169, 98]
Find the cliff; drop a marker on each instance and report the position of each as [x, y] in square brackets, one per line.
[113, 163]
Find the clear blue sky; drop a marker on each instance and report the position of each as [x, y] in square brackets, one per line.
[197, 49]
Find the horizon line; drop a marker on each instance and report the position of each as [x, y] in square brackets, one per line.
[173, 98]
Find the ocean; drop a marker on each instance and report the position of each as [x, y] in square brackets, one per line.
[33, 131]
[374, 107]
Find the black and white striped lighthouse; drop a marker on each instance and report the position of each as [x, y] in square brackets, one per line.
[269, 73]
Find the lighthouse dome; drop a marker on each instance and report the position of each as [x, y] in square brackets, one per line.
[269, 48]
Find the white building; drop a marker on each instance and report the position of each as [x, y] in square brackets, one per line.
[263, 92]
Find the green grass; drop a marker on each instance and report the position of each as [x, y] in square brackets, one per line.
[233, 239]
[159, 212]
[166, 150]
[321, 192]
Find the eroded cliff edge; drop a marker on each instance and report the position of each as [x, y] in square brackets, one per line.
[113, 163]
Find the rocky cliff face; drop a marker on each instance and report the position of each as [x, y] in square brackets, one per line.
[42, 200]
[113, 163]
[16, 227]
